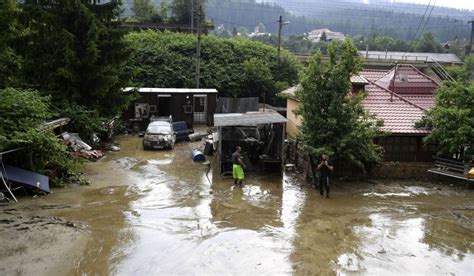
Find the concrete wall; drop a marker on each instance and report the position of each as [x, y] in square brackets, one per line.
[294, 121]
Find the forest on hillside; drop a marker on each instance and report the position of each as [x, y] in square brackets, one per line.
[399, 20]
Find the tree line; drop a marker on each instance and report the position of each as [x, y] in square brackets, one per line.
[427, 43]
[401, 24]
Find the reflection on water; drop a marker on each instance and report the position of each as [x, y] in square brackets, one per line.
[397, 246]
[185, 221]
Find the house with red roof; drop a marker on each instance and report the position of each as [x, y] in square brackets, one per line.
[400, 97]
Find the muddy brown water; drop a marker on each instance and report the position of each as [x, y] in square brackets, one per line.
[157, 212]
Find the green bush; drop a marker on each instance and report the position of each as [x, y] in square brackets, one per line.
[168, 60]
[22, 115]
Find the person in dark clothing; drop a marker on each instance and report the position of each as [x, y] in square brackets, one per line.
[325, 168]
[238, 166]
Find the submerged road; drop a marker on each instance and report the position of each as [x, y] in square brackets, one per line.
[157, 213]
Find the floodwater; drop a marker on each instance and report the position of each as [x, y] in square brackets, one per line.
[163, 214]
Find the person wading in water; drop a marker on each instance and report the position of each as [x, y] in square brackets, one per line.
[238, 166]
[325, 168]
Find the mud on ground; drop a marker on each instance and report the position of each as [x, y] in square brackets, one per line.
[38, 244]
[157, 212]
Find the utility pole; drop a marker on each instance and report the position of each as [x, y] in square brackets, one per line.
[192, 16]
[280, 26]
[198, 46]
[472, 35]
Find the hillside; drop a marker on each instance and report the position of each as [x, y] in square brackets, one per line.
[350, 17]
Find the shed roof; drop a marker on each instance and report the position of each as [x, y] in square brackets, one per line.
[172, 90]
[248, 119]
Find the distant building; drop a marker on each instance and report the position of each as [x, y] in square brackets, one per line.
[400, 97]
[316, 35]
[259, 31]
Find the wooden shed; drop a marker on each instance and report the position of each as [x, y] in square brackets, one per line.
[194, 106]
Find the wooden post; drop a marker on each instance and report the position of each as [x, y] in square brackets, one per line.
[296, 153]
[313, 171]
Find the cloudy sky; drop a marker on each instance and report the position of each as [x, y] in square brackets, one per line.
[460, 4]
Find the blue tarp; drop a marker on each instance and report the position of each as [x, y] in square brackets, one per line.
[25, 177]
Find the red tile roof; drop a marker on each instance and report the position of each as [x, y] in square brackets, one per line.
[425, 101]
[412, 97]
[372, 74]
[406, 79]
[399, 114]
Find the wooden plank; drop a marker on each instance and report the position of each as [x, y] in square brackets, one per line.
[450, 174]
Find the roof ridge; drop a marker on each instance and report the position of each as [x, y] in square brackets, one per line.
[397, 95]
[376, 70]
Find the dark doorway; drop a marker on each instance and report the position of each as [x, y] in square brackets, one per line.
[164, 105]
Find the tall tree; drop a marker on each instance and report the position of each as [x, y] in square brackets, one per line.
[464, 73]
[334, 121]
[143, 9]
[428, 43]
[258, 79]
[164, 8]
[451, 120]
[181, 10]
[10, 30]
[75, 51]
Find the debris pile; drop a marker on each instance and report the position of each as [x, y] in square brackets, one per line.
[79, 147]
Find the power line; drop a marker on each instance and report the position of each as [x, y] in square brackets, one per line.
[418, 28]
[427, 19]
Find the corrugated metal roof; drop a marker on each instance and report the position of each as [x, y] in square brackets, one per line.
[402, 56]
[172, 90]
[248, 119]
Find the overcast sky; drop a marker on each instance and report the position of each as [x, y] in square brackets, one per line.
[460, 4]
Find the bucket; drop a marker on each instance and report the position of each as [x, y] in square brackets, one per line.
[198, 156]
